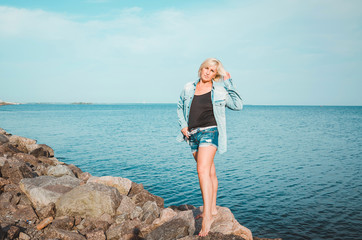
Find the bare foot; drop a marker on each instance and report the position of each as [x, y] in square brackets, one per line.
[206, 225]
[201, 215]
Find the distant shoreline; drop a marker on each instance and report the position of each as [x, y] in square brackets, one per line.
[8, 103]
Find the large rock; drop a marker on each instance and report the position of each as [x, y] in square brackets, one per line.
[128, 230]
[27, 158]
[59, 170]
[38, 150]
[144, 196]
[214, 236]
[56, 233]
[46, 189]
[150, 212]
[21, 142]
[89, 200]
[225, 223]
[8, 149]
[174, 229]
[3, 139]
[126, 206]
[166, 215]
[122, 184]
[16, 171]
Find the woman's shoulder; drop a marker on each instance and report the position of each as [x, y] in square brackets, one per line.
[188, 85]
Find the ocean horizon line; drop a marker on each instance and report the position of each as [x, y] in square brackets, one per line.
[168, 103]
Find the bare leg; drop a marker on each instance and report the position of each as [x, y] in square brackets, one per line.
[214, 188]
[205, 158]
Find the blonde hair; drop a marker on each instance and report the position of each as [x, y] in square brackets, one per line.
[210, 62]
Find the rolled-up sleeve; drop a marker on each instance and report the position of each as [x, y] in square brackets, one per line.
[233, 100]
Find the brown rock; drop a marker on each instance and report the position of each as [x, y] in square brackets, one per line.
[21, 142]
[3, 139]
[101, 225]
[129, 228]
[50, 161]
[166, 215]
[97, 235]
[38, 150]
[76, 170]
[3, 182]
[126, 206]
[225, 223]
[135, 188]
[174, 229]
[144, 196]
[185, 207]
[25, 212]
[63, 234]
[84, 176]
[77, 220]
[107, 218]
[46, 211]
[33, 161]
[89, 200]
[23, 236]
[16, 172]
[150, 212]
[123, 185]
[13, 232]
[64, 222]
[213, 236]
[8, 149]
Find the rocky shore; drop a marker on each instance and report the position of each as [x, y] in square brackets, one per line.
[43, 198]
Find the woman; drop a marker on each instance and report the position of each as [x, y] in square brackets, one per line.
[201, 114]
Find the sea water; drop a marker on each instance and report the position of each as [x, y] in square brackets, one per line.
[290, 171]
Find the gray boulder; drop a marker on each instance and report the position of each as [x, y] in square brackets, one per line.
[46, 189]
[3, 139]
[59, 170]
[150, 212]
[174, 229]
[122, 184]
[89, 200]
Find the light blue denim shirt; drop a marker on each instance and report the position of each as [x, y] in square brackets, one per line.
[223, 94]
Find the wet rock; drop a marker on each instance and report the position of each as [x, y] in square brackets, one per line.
[3, 139]
[97, 235]
[150, 212]
[63, 234]
[144, 196]
[126, 206]
[64, 222]
[60, 170]
[13, 232]
[89, 200]
[46, 189]
[76, 170]
[123, 185]
[46, 211]
[16, 171]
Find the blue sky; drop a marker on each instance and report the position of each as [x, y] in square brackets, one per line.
[286, 52]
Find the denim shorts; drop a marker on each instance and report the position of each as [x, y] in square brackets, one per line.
[201, 137]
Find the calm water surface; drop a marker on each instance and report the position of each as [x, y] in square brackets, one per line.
[290, 171]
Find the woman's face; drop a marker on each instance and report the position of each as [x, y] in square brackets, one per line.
[208, 73]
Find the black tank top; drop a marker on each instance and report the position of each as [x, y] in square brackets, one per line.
[201, 112]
